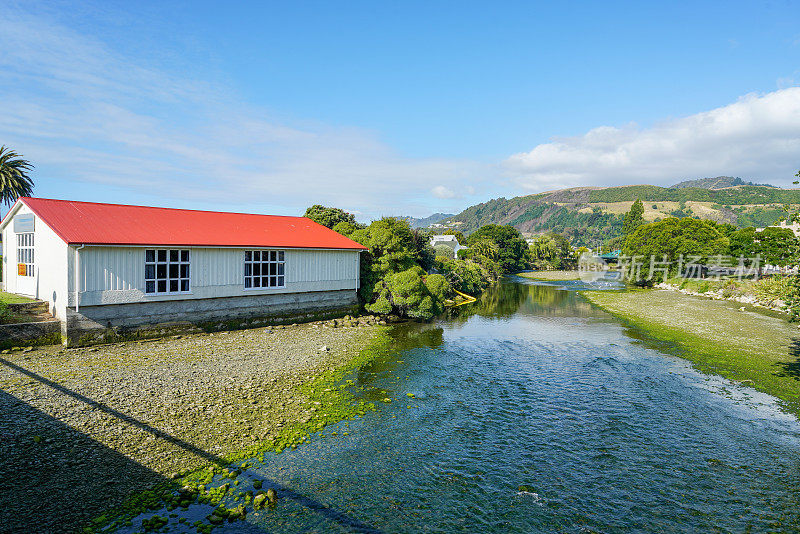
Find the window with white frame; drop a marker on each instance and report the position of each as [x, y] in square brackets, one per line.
[264, 268]
[166, 271]
[25, 256]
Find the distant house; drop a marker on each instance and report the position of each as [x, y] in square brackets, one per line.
[448, 240]
[111, 266]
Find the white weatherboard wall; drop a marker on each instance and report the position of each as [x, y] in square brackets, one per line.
[49, 282]
[115, 275]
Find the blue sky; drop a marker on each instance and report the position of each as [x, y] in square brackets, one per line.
[394, 108]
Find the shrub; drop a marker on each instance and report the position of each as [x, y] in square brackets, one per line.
[408, 295]
[444, 250]
[438, 286]
[466, 276]
[773, 288]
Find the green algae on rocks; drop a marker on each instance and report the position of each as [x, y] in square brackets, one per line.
[329, 397]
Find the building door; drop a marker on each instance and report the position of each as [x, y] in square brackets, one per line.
[25, 267]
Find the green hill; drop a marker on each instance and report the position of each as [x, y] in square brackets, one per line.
[589, 216]
[719, 182]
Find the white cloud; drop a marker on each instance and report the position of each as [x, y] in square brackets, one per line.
[441, 191]
[756, 138]
[73, 104]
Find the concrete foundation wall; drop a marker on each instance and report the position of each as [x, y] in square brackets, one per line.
[147, 319]
[22, 334]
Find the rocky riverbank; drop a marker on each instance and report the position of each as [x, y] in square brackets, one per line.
[731, 294]
[83, 429]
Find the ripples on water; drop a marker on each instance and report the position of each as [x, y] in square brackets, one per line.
[534, 412]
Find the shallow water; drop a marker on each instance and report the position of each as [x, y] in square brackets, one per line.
[532, 411]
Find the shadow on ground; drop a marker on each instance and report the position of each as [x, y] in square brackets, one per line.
[791, 368]
[54, 478]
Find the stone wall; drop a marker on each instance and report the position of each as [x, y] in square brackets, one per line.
[113, 322]
[25, 334]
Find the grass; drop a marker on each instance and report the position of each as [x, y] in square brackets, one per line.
[551, 275]
[11, 298]
[758, 349]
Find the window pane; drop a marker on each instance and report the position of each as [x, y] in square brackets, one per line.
[150, 287]
[173, 285]
[248, 282]
[184, 285]
[273, 281]
[256, 268]
[161, 270]
[162, 286]
[273, 256]
[174, 255]
[149, 272]
[265, 281]
[248, 269]
[256, 281]
[174, 270]
[256, 255]
[150, 256]
[273, 268]
[280, 268]
[184, 255]
[281, 281]
[162, 255]
[184, 271]
[280, 255]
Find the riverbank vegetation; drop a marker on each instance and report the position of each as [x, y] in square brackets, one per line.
[752, 348]
[402, 274]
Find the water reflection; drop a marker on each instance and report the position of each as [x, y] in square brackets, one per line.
[530, 298]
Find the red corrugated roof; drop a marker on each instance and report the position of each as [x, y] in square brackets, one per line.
[116, 224]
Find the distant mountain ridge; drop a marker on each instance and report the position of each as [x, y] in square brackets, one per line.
[427, 221]
[719, 182]
[591, 215]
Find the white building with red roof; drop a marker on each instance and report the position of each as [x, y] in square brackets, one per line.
[111, 269]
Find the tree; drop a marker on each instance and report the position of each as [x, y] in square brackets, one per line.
[634, 218]
[14, 179]
[776, 246]
[565, 254]
[544, 252]
[742, 243]
[672, 238]
[512, 254]
[329, 217]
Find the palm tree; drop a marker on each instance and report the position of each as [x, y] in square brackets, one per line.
[14, 179]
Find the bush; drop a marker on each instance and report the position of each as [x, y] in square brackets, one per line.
[793, 298]
[408, 295]
[466, 276]
[773, 288]
[438, 286]
[444, 250]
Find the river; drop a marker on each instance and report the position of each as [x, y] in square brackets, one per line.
[532, 411]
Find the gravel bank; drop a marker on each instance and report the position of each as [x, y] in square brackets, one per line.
[81, 429]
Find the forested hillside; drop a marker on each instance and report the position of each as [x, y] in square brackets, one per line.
[588, 216]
